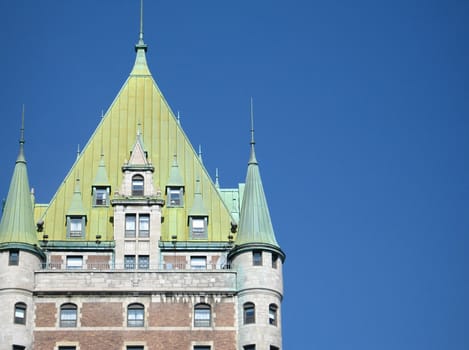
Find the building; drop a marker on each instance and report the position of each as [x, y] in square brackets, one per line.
[139, 248]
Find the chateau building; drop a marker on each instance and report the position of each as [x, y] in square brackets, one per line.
[139, 249]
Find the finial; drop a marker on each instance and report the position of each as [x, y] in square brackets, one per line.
[21, 153]
[102, 113]
[139, 125]
[179, 119]
[141, 44]
[200, 153]
[217, 183]
[252, 159]
[78, 151]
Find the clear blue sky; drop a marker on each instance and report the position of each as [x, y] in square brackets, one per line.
[362, 121]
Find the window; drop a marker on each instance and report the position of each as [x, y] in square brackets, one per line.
[273, 314]
[144, 225]
[18, 347]
[130, 225]
[143, 262]
[249, 347]
[75, 226]
[129, 262]
[198, 262]
[274, 260]
[67, 347]
[274, 347]
[68, 315]
[101, 196]
[198, 227]
[175, 197]
[137, 185]
[257, 258]
[74, 262]
[202, 347]
[14, 258]
[134, 347]
[202, 315]
[249, 313]
[135, 315]
[20, 313]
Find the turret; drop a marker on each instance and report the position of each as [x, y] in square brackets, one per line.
[258, 259]
[20, 256]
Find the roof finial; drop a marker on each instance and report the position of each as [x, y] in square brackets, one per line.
[141, 44]
[217, 182]
[78, 151]
[200, 153]
[21, 153]
[252, 158]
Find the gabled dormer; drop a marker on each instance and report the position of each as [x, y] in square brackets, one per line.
[175, 187]
[198, 216]
[75, 219]
[101, 188]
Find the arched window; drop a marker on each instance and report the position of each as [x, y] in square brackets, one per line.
[137, 185]
[20, 313]
[135, 315]
[273, 314]
[68, 315]
[202, 315]
[249, 312]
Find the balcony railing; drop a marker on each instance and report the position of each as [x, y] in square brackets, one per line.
[123, 267]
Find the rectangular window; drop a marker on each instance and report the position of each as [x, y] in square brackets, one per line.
[101, 197]
[144, 225]
[134, 347]
[143, 262]
[18, 347]
[198, 227]
[67, 347]
[257, 258]
[274, 260]
[202, 347]
[130, 225]
[14, 258]
[20, 313]
[76, 227]
[175, 197]
[249, 347]
[274, 347]
[198, 262]
[74, 262]
[129, 262]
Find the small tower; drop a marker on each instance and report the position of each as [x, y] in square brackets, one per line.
[20, 256]
[258, 260]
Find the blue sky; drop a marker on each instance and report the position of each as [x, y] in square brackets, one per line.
[362, 120]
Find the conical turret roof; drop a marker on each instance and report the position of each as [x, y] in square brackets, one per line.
[17, 228]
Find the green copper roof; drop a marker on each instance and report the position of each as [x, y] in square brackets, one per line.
[175, 178]
[255, 225]
[76, 206]
[17, 228]
[101, 178]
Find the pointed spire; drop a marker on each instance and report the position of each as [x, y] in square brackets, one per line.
[140, 66]
[175, 178]
[76, 206]
[255, 225]
[198, 208]
[17, 228]
[101, 178]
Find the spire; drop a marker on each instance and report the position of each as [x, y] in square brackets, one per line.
[198, 208]
[175, 178]
[255, 225]
[140, 66]
[17, 229]
[76, 206]
[101, 178]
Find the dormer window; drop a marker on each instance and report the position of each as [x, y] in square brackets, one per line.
[101, 196]
[198, 227]
[137, 185]
[175, 197]
[76, 226]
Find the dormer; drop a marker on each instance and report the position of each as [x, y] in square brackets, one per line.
[175, 187]
[101, 187]
[75, 219]
[198, 216]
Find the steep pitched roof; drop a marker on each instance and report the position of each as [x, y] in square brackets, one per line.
[139, 101]
[17, 228]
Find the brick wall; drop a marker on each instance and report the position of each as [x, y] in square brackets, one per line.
[170, 314]
[109, 314]
[46, 314]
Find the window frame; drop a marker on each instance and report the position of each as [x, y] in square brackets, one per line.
[201, 311]
[142, 264]
[179, 193]
[273, 314]
[136, 310]
[68, 309]
[97, 200]
[257, 258]
[20, 307]
[130, 229]
[249, 313]
[74, 258]
[143, 220]
[200, 232]
[72, 220]
[130, 262]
